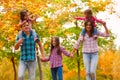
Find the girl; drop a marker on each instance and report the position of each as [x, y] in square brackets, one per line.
[89, 16]
[24, 17]
[55, 58]
[90, 49]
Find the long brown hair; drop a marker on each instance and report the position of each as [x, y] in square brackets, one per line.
[57, 44]
[92, 25]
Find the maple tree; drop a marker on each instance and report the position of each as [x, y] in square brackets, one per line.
[54, 14]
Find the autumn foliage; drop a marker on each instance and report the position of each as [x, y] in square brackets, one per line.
[54, 14]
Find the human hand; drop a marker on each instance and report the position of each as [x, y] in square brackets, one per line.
[42, 59]
[71, 55]
[104, 23]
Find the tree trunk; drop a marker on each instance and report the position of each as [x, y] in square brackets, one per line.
[39, 65]
[78, 62]
[13, 62]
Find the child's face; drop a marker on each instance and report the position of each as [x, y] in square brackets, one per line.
[26, 16]
[54, 42]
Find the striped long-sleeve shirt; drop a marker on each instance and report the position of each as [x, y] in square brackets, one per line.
[90, 45]
[55, 59]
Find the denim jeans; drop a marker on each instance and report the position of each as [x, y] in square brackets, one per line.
[94, 33]
[30, 65]
[57, 71]
[90, 63]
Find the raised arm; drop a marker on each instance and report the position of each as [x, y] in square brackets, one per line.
[106, 29]
[106, 34]
[80, 18]
[22, 23]
[99, 21]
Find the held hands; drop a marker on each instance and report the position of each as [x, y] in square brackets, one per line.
[71, 55]
[42, 59]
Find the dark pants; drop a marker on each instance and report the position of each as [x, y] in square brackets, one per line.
[57, 72]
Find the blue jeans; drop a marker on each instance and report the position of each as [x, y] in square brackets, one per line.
[57, 71]
[30, 65]
[94, 33]
[90, 63]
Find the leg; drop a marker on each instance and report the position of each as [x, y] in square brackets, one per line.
[95, 31]
[60, 72]
[21, 70]
[54, 73]
[31, 69]
[86, 59]
[20, 34]
[94, 62]
[83, 33]
[34, 34]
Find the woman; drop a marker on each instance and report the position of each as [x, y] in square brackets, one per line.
[90, 48]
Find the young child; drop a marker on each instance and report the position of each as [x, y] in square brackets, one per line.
[55, 58]
[24, 17]
[89, 16]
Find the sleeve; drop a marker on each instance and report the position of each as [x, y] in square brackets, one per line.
[98, 20]
[17, 38]
[30, 19]
[103, 34]
[65, 52]
[77, 44]
[80, 18]
[38, 38]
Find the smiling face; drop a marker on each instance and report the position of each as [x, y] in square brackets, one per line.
[55, 41]
[89, 27]
[26, 27]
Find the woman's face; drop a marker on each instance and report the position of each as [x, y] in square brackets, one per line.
[54, 42]
[88, 27]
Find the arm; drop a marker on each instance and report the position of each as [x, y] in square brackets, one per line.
[65, 52]
[77, 44]
[99, 21]
[45, 59]
[21, 23]
[80, 18]
[33, 18]
[41, 49]
[106, 34]
[17, 45]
